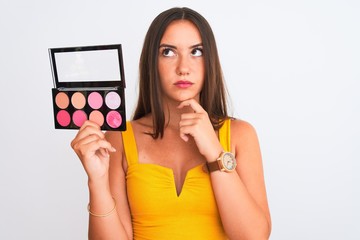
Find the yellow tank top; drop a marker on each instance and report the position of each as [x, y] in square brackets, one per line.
[157, 211]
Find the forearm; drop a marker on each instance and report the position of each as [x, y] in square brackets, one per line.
[101, 203]
[241, 216]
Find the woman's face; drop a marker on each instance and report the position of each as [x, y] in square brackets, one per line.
[181, 62]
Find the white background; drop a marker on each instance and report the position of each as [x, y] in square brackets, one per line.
[292, 69]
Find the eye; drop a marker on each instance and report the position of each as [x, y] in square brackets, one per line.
[197, 52]
[168, 52]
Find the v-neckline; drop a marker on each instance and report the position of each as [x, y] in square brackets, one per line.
[181, 187]
[170, 170]
[178, 194]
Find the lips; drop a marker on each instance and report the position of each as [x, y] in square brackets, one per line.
[183, 84]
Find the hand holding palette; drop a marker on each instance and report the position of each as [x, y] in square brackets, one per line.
[89, 85]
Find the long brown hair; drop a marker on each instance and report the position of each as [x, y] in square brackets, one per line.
[213, 93]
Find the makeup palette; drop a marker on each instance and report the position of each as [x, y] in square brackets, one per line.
[89, 85]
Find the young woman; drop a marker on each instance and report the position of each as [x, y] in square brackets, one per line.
[183, 169]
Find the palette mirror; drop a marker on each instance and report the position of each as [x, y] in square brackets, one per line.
[85, 66]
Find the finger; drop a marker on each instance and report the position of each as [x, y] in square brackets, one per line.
[184, 137]
[186, 116]
[91, 130]
[88, 123]
[99, 147]
[102, 143]
[87, 130]
[88, 139]
[186, 130]
[104, 152]
[92, 143]
[188, 122]
[86, 136]
[104, 147]
[193, 104]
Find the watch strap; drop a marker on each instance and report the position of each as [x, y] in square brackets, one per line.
[213, 166]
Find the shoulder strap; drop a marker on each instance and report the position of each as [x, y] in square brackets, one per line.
[224, 135]
[129, 144]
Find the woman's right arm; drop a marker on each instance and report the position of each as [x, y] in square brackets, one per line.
[106, 181]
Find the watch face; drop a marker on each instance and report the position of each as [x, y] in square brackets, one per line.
[229, 161]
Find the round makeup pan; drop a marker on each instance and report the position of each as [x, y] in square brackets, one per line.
[113, 100]
[63, 118]
[114, 119]
[78, 100]
[79, 117]
[62, 100]
[95, 100]
[97, 117]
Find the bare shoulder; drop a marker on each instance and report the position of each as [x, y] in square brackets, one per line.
[143, 124]
[244, 137]
[242, 130]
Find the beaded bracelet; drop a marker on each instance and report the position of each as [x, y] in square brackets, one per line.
[102, 215]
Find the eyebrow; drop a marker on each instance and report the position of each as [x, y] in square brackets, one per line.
[174, 47]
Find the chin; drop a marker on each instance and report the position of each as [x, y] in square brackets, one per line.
[187, 98]
[183, 97]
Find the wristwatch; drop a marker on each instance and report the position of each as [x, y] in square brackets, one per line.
[226, 162]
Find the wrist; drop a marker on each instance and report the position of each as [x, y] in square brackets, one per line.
[99, 194]
[226, 162]
[214, 154]
[98, 184]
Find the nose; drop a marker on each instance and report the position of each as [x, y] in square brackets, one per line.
[183, 67]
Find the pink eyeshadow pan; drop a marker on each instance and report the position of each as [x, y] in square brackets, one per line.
[113, 119]
[97, 117]
[78, 100]
[95, 100]
[79, 117]
[113, 100]
[62, 100]
[63, 118]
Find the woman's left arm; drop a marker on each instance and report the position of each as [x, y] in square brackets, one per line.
[241, 194]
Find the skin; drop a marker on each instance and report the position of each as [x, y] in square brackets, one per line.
[240, 195]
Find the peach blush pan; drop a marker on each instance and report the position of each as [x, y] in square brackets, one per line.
[62, 100]
[97, 117]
